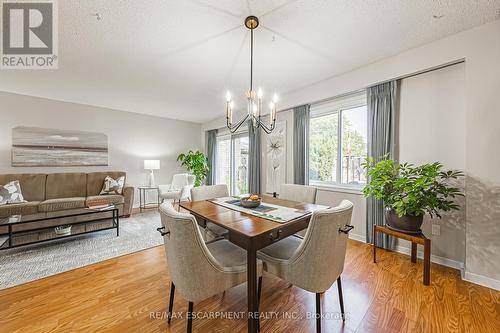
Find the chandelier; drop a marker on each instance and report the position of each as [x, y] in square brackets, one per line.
[254, 99]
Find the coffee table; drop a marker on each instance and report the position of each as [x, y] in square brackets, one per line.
[100, 220]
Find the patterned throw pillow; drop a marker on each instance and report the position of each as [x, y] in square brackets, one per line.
[112, 186]
[11, 193]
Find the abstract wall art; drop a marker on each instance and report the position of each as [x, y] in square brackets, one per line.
[276, 158]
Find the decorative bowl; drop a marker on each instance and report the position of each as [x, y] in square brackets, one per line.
[251, 201]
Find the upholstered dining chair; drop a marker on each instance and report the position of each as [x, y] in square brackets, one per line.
[317, 261]
[207, 193]
[198, 270]
[179, 190]
[300, 193]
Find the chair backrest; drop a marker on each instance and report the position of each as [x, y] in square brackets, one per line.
[209, 192]
[179, 180]
[192, 267]
[300, 193]
[319, 260]
[186, 190]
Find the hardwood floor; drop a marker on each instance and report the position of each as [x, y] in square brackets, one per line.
[130, 294]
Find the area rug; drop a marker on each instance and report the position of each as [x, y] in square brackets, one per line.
[25, 264]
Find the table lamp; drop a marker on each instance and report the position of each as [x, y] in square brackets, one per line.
[152, 165]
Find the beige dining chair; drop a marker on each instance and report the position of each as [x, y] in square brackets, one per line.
[207, 193]
[317, 261]
[198, 270]
[300, 193]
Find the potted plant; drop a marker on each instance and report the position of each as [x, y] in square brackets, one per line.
[196, 163]
[409, 192]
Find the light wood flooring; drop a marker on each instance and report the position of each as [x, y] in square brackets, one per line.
[130, 294]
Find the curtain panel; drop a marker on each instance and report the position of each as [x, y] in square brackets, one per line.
[211, 155]
[254, 158]
[300, 144]
[383, 112]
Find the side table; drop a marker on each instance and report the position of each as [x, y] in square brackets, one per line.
[143, 204]
[414, 239]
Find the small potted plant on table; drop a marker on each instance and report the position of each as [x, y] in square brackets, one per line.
[409, 192]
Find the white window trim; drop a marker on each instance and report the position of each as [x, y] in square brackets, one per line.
[226, 135]
[334, 187]
[336, 107]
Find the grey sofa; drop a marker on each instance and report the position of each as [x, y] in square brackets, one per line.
[61, 191]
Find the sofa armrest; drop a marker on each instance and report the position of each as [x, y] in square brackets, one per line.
[128, 193]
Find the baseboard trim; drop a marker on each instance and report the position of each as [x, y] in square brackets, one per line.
[480, 279]
[435, 259]
[359, 238]
[420, 254]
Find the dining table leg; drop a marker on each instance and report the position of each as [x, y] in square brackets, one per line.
[252, 290]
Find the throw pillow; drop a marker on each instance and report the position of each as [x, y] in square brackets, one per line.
[113, 186]
[11, 193]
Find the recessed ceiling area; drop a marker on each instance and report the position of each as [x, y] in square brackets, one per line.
[176, 59]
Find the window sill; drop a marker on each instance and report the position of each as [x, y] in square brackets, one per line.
[339, 188]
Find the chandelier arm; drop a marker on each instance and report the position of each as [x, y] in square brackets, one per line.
[266, 129]
[234, 128]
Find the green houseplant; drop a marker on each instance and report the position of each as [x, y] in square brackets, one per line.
[196, 163]
[409, 192]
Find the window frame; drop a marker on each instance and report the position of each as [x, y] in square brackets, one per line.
[337, 106]
[232, 162]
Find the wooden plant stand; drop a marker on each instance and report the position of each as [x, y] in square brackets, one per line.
[414, 239]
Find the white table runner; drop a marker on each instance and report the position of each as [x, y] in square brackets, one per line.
[266, 210]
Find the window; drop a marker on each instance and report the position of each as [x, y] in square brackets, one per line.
[338, 142]
[232, 162]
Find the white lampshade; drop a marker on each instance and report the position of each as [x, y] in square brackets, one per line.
[152, 164]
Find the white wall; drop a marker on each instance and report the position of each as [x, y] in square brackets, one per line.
[432, 128]
[132, 137]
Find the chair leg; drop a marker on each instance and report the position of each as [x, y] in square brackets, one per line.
[171, 302]
[341, 298]
[190, 318]
[259, 293]
[318, 313]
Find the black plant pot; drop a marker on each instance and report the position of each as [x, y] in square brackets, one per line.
[408, 223]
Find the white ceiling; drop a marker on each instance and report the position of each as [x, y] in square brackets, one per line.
[176, 58]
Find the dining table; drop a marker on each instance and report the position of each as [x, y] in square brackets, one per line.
[252, 232]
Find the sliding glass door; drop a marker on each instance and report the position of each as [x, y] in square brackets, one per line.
[232, 162]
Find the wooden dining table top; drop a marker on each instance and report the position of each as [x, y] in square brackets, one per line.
[249, 225]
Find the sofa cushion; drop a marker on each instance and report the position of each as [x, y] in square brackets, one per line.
[110, 199]
[10, 193]
[95, 180]
[53, 205]
[23, 208]
[113, 186]
[66, 185]
[32, 184]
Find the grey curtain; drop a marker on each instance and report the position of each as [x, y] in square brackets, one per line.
[254, 158]
[211, 155]
[383, 105]
[300, 144]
